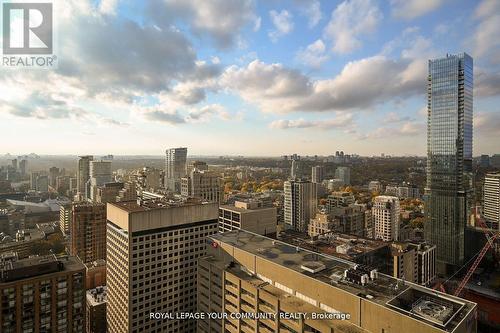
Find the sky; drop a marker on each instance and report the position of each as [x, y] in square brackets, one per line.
[245, 77]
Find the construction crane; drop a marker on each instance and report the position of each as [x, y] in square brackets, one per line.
[490, 243]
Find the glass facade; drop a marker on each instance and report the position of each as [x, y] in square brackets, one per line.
[449, 155]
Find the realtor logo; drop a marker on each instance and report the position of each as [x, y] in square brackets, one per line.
[27, 28]
[28, 34]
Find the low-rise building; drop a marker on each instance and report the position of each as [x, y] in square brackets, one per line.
[96, 310]
[248, 215]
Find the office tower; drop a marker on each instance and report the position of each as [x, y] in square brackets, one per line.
[100, 174]
[153, 248]
[175, 168]
[414, 262]
[33, 177]
[23, 166]
[83, 173]
[300, 205]
[151, 178]
[42, 294]
[317, 174]
[53, 174]
[251, 216]
[65, 218]
[42, 183]
[248, 273]
[491, 200]
[14, 164]
[385, 212]
[205, 185]
[449, 157]
[96, 310]
[88, 231]
[344, 174]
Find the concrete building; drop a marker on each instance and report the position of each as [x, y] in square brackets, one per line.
[317, 174]
[198, 165]
[65, 219]
[300, 203]
[491, 200]
[153, 248]
[100, 174]
[414, 262]
[321, 224]
[448, 190]
[95, 274]
[175, 168]
[88, 231]
[250, 216]
[386, 218]
[403, 191]
[339, 199]
[249, 273]
[108, 192]
[204, 185]
[96, 310]
[344, 174]
[368, 230]
[23, 242]
[23, 167]
[348, 219]
[83, 173]
[375, 186]
[42, 183]
[42, 294]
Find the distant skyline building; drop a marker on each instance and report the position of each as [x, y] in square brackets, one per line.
[317, 174]
[300, 204]
[491, 200]
[83, 173]
[100, 174]
[344, 174]
[205, 185]
[386, 218]
[175, 168]
[449, 157]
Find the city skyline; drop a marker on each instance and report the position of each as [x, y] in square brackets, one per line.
[274, 78]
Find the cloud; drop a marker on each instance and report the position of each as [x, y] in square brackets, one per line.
[220, 20]
[487, 83]
[206, 112]
[410, 9]
[312, 10]
[360, 85]
[487, 124]
[393, 117]
[350, 20]
[313, 55]
[108, 7]
[341, 121]
[406, 129]
[283, 24]
[257, 24]
[485, 41]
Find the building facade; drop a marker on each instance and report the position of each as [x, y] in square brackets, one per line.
[42, 294]
[175, 168]
[88, 231]
[317, 174]
[300, 203]
[386, 219]
[250, 216]
[491, 200]
[83, 173]
[449, 156]
[204, 185]
[153, 248]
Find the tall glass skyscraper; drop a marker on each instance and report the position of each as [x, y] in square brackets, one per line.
[449, 156]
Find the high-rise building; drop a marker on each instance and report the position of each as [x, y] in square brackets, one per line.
[385, 212]
[414, 262]
[300, 204]
[491, 200]
[23, 166]
[42, 294]
[245, 273]
[484, 161]
[449, 157]
[65, 218]
[100, 174]
[344, 174]
[88, 231]
[54, 172]
[317, 174]
[96, 310]
[153, 248]
[175, 168]
[83, 173]
[250, 215]
[42, 183]
[339, 199]
[205, 185]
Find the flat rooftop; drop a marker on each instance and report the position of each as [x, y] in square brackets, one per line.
[159, 203]
[385, 290]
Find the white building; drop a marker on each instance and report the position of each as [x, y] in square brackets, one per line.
[175, 168]
[491, 197]
[300, 204]
[386, 219]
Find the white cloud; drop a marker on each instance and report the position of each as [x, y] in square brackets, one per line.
[341, 121]
[257, 23]
[313, 55]
[283, 24]
[409, 9]
[360, 85]
[486, 83]
[350, 20]
[393, 117]
[312, 10]
[108, 7]
[406, 129]
[485, 42]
